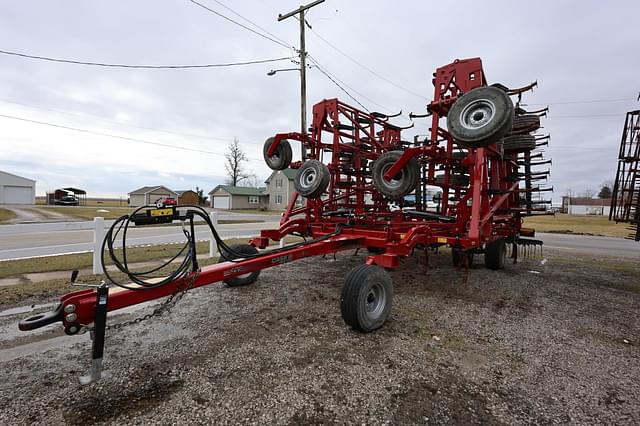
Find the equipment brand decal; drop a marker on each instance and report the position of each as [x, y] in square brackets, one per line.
[282, 259]
[235, 270]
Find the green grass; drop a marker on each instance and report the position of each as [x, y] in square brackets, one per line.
[6, 215]
[580, 225]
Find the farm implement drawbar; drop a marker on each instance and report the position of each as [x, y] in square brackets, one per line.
[360, 185]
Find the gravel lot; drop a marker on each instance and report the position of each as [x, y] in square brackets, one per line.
[508, 347]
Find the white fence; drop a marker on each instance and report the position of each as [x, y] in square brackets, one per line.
[98, 227]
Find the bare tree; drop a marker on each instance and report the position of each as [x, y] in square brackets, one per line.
[251, 181]
[234, 165]
[589, 193]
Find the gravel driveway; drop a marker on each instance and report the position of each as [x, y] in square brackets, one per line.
[537, 343]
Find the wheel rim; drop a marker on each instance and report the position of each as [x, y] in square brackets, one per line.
[477, 114]
[307, 178]
[375, 301]
[394, 182]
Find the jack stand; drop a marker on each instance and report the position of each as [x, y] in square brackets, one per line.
[100, 322]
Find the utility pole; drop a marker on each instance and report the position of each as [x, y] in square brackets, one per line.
[303, 69]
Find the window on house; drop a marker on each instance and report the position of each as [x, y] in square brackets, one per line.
[278, 183]
[254, 200]
[278, 199]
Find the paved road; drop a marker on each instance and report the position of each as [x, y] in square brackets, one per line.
[604, 246]
[32, 244]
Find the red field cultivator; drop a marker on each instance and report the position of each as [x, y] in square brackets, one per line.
[363, 186]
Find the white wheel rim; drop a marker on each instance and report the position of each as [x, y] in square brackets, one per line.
[477, 114]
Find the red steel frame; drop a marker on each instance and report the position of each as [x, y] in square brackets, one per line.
[350, 140]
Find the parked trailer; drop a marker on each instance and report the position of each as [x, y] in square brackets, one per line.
[356, 165]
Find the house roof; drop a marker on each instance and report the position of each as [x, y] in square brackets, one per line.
[147, 189]
[21, 177]
[289, 173]
[239, 190]
[586, 201]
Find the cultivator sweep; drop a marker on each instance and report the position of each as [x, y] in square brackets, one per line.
[625, 202]
[363, 186]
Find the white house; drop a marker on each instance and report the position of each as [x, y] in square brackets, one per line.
[16, 189]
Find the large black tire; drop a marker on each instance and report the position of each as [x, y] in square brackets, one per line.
[244, 279]
[454, 180]
[403, 183]
[480, 117]
[366, 298]
[495, 254]
[281, 159]
[312, 179]
[459, 257]
[523, 124]
[518, 143]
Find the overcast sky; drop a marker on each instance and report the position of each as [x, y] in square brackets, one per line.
[577, 51]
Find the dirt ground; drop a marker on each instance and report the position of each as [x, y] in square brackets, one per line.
[553, 339]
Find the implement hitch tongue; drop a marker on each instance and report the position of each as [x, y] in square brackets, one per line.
[97, 335]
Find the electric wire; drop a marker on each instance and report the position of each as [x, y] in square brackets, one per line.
[108, 65]
[240, 25]
[76, 129]
[328, 75]
[96, 117]
[253, 23]
[394, 84]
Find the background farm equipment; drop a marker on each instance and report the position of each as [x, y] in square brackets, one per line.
[356, 167]
[625, 202]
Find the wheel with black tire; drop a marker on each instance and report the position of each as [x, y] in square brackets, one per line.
[459, 257]
[495, 254]
[454, 180]
[366, 298]
[480, 117]
[312, 179]
[518, 143]
[402, 183]
[281, 158]
[523, 124]
[240, 249]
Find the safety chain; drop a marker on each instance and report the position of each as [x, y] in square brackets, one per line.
[164, 307]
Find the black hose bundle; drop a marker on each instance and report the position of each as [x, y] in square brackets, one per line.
[142, 278]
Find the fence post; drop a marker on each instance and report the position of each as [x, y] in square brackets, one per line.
[213, 247]
[98, 237]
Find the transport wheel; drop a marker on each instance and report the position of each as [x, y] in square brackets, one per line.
[524, 124]
[518, 143]
[312, 179]
[402, 184]
[454, 179]
[480, 117]
[495, 254]
[458, 257]
[244, 279]
[366, 298]
[280, 159]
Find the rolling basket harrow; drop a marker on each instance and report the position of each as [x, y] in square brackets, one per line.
[352, 189]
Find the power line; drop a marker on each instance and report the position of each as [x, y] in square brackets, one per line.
[252, 23]
[96, 117]
[240, 25]
[103, 64]
[366, 67]
[76, 129]
[589, 101]
[327, 74]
